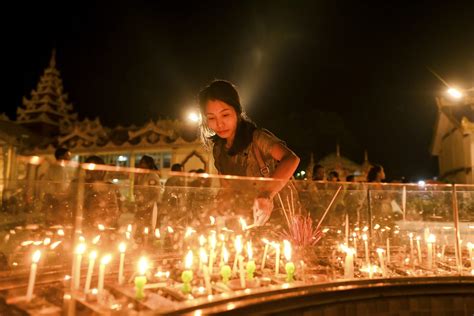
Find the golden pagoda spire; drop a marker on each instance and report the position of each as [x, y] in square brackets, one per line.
[52, 61]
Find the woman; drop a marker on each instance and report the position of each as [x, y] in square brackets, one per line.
[239, 147]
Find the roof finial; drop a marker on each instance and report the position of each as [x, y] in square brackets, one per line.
[338, 150]
[52, 62]
[366, 155]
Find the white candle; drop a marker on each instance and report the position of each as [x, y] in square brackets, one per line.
[380, 252]
[431, 240]
[354, 237]
[238, 249]
[122, 249]
[349, 262]
[207, 279]
[154, 216]
[242, 272]
[90, 269]
[388, 250]
[77, 272]
[31, 281]
[265, 251]
[412, 256]
[418, 248]
[366, 246]
[277, 258]
[103, 262]
[212, 254]
[202, 241]
[347, 230]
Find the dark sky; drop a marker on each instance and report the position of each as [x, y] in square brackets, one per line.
[313, 72]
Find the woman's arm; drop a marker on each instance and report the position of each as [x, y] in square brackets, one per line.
[288, 162]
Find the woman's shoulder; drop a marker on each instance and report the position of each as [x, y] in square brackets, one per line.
[265, 139]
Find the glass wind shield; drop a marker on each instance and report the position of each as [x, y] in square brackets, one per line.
[465, 213]
[134, 242]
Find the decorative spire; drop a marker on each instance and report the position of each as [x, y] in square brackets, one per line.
[366, 155]
[338, 150]
[309, 169]
[52, 61]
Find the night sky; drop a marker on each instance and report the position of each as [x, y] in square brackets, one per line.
[313, 72]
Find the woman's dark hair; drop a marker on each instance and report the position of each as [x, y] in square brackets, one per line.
[226, 92]
[149, 162]
[373, 172]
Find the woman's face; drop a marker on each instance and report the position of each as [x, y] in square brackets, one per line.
[221, 118]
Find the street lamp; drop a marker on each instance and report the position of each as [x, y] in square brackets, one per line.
[455, 93]
[194, 117]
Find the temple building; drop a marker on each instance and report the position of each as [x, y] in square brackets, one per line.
[453, 139]
[46, 120]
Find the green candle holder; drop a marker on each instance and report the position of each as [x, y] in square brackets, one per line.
[187, 277]
[226, 272]
[251, 267]
[140, 282]
[290, 271]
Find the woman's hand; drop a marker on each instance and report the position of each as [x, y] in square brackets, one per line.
[262, 209]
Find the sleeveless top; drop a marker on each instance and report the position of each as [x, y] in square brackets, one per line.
[245, 163]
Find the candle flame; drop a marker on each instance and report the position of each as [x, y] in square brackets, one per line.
[189, 232]
[377, 226]
[95, 291]
[325, 230]
[431, 238]
[287, 249]
[96, 239]
[46, 241]
[170, 229]
[142, 265]
[418, 238]
[346, 249]
[212, 240]
[80, 249]
[265, 241]
[106, 259]
[129, 228]
[188, 261]
[128, 235]
[67, 277]
[203, 255]
[243, 223]
[225, 254]
[36, 256]
[146, 231]
[60, 232]
[157, 233]
[55, 244]
[101, 227]
[238, 244]
[365, 229]
[380, 250]
[364, 237]
[249, 250]
[26, 243]
[122, 247]
[470, 246]
[202, 240]
[410, 235]
[212, 219]
[92, 255]
[38, 242]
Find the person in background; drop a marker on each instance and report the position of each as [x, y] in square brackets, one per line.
[350, 178]
[319, 173]
[333, 176]
[147, 189]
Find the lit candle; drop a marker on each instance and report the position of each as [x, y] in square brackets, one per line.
[430, 241]
[388, 250]
[347, 230]
[145, 236]
[290, 266]
[202, 240]
[265, 251]
[212, 254]
[226, 271]
[366, 246]
[187, 275]
[250, 266]
[140, 279]
[238, 249]
[77, 273]
[122, 249]
[90, 269]
[104, 261]
[277, 258]
[242, 271]
[349, 262]
[154, 216]
[31, 281]
[205, 270]
[418, 246]
[380, 252]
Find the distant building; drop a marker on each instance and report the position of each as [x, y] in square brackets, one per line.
[46, 121]
[453, 140]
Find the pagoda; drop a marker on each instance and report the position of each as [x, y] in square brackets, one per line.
[47, 111]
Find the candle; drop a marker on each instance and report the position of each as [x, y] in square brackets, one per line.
[250, 266]
[145, 236]
[277, 258]
[122, 248]
[388, 250]
[430, 241]
[207, 279]
[366, 246]
[380, 252]
[347, 230]
[90, 269]
[80, 249]
[187, 274]
[412, 256]
[154, 216]
[470, 247]
[265, 251]
[104, 261]
[242, 271]
[31, 281]
[290, 266]
[202, 241]
[238, 249]
[354, 237]
[349, 262]
[140, 279]
[418, 248]
[226, 271]
[212, 245]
